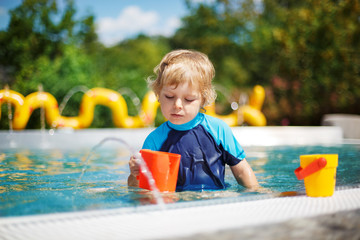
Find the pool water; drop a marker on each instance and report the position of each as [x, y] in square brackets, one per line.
[48, 181]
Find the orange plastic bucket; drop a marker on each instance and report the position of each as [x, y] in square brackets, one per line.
[319, 174]
[164, 168]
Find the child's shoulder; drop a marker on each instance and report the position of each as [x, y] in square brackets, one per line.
[219, 129]
[161, 130]
[215, 122]
[155, 139]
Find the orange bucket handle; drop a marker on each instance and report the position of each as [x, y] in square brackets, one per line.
[313, 167]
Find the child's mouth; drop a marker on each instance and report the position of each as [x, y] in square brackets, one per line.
[176, 115]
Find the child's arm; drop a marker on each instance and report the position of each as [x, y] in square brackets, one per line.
[244, 175]
[134, 172]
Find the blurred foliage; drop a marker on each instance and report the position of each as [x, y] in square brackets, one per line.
[39, 51]
[316, 57]
[305, 53]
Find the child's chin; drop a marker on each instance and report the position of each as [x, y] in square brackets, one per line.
[177, 121]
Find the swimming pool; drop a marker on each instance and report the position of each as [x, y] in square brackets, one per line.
[40, 172]
[45, 181]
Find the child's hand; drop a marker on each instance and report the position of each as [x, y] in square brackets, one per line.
[134, 166]
[134, 172]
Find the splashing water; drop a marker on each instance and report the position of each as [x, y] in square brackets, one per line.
[141, 162]
[10, 116]
[65, 100]
[42, 110]
[133, 97]
[72, 91]
[243, 100]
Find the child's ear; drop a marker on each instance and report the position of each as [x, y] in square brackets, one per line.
[203, 103]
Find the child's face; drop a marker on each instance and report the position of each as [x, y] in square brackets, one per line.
[180, 104]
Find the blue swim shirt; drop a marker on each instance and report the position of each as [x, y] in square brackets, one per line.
[205, 144]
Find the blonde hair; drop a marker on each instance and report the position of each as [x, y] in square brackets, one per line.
[180, 66]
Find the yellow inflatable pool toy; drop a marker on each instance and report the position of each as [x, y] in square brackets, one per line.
[24, 106]
[250, 114]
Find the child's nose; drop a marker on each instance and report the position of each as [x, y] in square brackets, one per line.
[178, 103]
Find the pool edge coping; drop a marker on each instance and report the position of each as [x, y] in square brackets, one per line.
[156, 223]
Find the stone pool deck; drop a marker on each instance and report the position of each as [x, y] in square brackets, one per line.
[264, 218]
[336, 226]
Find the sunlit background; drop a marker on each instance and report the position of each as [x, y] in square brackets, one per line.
[304, 53]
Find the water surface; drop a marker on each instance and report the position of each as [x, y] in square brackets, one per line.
[46, 181]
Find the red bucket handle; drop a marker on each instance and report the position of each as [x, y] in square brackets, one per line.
[313, 167]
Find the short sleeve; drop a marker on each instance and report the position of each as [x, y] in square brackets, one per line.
[224, 136]
[156, 138]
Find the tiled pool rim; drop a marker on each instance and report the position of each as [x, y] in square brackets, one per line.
[178, 220]
[247, 136]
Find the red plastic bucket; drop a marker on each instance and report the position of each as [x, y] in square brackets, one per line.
[164, 168]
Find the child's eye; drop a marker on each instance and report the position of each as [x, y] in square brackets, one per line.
[189, 100]
[168, 97]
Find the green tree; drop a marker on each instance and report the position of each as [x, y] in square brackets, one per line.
[219, 29]
[38, 28]
[315, 57]
[306, 53]
[128, 65]
[45, 45]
